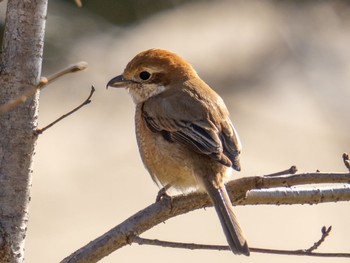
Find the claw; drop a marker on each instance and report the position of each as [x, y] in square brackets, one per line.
[162, 193]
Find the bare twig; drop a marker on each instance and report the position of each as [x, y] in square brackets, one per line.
[192, 246]
[346, 161]
[292, 170]
[325, 232]
[85, 102]
[23, 97]
[42, 83]
[70, 69]
[159, 212]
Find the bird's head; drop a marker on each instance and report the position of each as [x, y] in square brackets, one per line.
[151, 72]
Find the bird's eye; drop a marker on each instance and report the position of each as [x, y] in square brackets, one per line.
[144, 75]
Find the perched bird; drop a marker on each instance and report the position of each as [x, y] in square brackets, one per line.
[185, 137]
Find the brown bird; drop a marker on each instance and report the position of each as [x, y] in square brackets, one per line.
[185, 137]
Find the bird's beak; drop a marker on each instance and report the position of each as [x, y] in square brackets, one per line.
[117, 82]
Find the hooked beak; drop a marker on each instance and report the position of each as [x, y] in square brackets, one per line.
[117, 82]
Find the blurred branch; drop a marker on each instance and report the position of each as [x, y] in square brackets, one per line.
[42, 83]
[78, 3]
[85, 102]
[23, 97]
[276, 191]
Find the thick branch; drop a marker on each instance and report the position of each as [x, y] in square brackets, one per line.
[165, 209]
[290, 196]
[238, 188]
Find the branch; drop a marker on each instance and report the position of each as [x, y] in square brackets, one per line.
[292, 170]
[192, 246]
[292, 196]
[159, 212]
[85, 102]
[238, 188]
[325, 233]
[42, 83]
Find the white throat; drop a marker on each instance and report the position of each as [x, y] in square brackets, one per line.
[140, 94]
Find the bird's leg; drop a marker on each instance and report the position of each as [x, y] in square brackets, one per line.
[162, 193]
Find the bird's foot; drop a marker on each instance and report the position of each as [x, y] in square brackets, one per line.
[162, 194]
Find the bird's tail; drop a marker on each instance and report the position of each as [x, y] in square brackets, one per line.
[228, 220]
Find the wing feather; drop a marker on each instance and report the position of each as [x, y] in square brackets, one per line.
[184, 117]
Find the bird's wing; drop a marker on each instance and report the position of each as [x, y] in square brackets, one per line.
[200, 123]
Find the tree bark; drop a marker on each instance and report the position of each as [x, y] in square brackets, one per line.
[20, 69]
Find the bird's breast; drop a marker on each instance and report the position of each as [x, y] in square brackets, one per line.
[169, 163]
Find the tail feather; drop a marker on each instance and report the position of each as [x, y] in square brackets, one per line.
[228, 219]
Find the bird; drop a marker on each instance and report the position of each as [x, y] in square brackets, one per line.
[184, 133]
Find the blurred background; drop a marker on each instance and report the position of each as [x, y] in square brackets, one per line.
[283, 69]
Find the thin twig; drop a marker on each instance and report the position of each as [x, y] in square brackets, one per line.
[325, 232]
[23, 97]
[70, 69]
[292, 170]
[42, 83]
[300, 253]
[87, 101]
[192, 246]
[346, 161]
